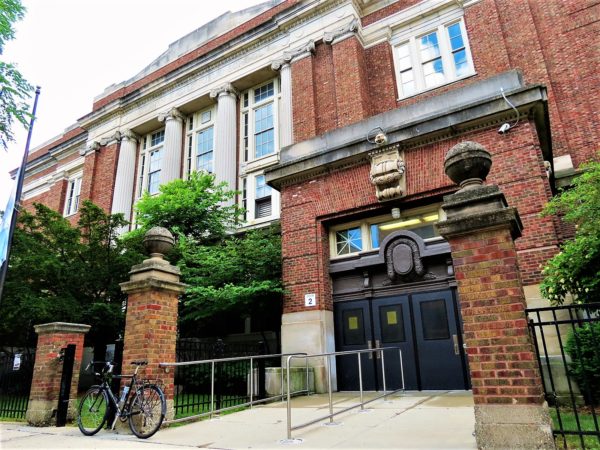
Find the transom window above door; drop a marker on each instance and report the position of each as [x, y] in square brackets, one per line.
[359, 236]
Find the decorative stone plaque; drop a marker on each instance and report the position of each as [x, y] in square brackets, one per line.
[387, 173]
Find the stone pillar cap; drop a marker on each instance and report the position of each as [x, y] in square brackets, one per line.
[61, 327]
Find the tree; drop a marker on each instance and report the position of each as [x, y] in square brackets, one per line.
[226, 273]
[60, 272]
[14, 89]
[575, 269]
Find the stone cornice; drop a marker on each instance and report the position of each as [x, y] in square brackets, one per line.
[61, 327]
[172, 114]
[130, 287]
[431, 119]
[224, 89]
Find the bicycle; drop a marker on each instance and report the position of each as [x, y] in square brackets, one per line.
[142, 403]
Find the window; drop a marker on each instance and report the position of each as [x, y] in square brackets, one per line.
[73, 194]
[150, 163]
[262, 198]
[352, 238]
[259, 121]
[435, 57]
[200, 142]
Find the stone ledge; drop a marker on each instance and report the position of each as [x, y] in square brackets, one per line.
[61, 327]
[487, 220]
[129, 287]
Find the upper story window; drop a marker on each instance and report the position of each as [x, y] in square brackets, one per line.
[355, 237]
[151, 163]
[259, 121]
[437, 56]
[73, 195]
[200, 141]
[262, 199]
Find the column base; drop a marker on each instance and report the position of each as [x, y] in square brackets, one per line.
[513, 426]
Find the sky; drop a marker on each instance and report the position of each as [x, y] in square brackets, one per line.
[74, 49]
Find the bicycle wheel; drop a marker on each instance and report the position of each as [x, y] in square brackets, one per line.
[147, 411]
[93, 410]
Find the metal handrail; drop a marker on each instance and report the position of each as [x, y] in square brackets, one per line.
[250, 403]
[331, 414]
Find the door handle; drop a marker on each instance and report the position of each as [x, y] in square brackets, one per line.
[377, 346]
[456, 347]
[370, 346]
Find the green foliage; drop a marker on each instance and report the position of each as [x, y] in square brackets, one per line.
[14, 89]
[239, 273]
[59, 272]
[582, 347]
[226, 273]
[576, 269]
[192, 208]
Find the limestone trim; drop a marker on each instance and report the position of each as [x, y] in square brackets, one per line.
[128, 135]
[224, 89]
[152, 283]
[299, 53]
[61, 327]
[91, 147]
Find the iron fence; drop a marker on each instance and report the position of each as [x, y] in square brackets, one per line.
[200, 387]
[567, 342]
[16, 372]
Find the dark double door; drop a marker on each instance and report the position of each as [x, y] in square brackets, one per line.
[424, 325]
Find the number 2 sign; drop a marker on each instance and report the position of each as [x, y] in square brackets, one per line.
[310, 299]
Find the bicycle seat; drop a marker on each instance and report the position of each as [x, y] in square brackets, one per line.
[139, 363]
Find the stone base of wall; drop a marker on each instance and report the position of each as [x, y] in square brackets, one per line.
[310, 332]
[42, 413]
[514, 427]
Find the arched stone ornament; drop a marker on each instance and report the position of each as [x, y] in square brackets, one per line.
[403, 259]
[387, 173]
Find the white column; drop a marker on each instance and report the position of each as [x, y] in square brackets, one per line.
[173, 145]
[124, 180]
[286, 136]
[225, 134]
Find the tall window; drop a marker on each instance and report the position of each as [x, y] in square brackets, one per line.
[200, 141]
[433, 58]
[73, 194]
[259, 121]
[151, 163]
[262, 198]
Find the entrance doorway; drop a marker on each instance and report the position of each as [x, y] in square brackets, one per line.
[424, 325]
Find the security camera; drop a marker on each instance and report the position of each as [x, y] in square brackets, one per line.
[380, 139]
[504, 128]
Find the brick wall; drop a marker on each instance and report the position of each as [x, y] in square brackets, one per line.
[501, 356]
[308, 207]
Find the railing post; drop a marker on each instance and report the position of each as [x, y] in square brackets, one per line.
[383, 372]
[307, 378]
[251, 381]
[289, 404]
[360, 381]
[401, 369]
[212, 388]
[329, 389]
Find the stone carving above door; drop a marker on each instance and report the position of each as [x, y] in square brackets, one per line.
[387, 173]
[404, 261]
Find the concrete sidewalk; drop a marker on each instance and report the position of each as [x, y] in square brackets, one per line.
[412, 420]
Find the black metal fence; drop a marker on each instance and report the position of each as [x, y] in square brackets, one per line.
[16, 372]
[193, 385]
[567, 341]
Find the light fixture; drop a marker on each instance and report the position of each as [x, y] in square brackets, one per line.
[396, 213]
[507, 126]
[377, 136]
[403, 224]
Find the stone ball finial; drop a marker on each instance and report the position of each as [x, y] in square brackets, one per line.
[468, 164]
[158, 241]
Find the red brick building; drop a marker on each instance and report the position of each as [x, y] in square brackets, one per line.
[334, 117]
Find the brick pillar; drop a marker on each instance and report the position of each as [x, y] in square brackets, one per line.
[153, 290]
[510, 411]
[47, 372]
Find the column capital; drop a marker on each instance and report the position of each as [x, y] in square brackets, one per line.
[280, 64]
[350, 29]
[172, 114]
[299, 52]
[91, 147]
[224, 89]
[114, 138]
[128, 135]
